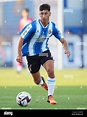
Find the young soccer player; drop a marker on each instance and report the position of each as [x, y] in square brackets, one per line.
[33, 44]
[26, 19]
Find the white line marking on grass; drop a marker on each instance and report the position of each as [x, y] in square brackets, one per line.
[5, 108]
[48, 108]
[81, 108]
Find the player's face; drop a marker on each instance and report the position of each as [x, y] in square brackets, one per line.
[25, 14]
[44, 15]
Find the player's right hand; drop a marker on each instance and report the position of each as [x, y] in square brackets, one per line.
[19, 59]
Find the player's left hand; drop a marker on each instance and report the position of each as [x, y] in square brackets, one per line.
[19, 59]
[67, 52]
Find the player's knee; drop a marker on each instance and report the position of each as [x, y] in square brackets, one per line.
[50, 73]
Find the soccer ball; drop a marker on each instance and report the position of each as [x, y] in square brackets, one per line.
[23, 99]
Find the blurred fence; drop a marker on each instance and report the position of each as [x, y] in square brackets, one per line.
[10, 15]
[78, 49]
[9, 30]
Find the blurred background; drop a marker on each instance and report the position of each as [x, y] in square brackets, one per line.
[69, 15]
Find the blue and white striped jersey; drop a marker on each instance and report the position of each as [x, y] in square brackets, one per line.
[36, 37]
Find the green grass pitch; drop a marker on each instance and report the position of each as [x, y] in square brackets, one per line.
[70, 91]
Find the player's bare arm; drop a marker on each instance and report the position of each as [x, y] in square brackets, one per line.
[65, 45]
[19, 56]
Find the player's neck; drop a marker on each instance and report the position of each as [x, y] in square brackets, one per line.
[25, 18]
[44, 23]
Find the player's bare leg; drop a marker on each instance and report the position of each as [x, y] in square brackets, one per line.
[19, 67]
[39, 80]
[49, 66]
